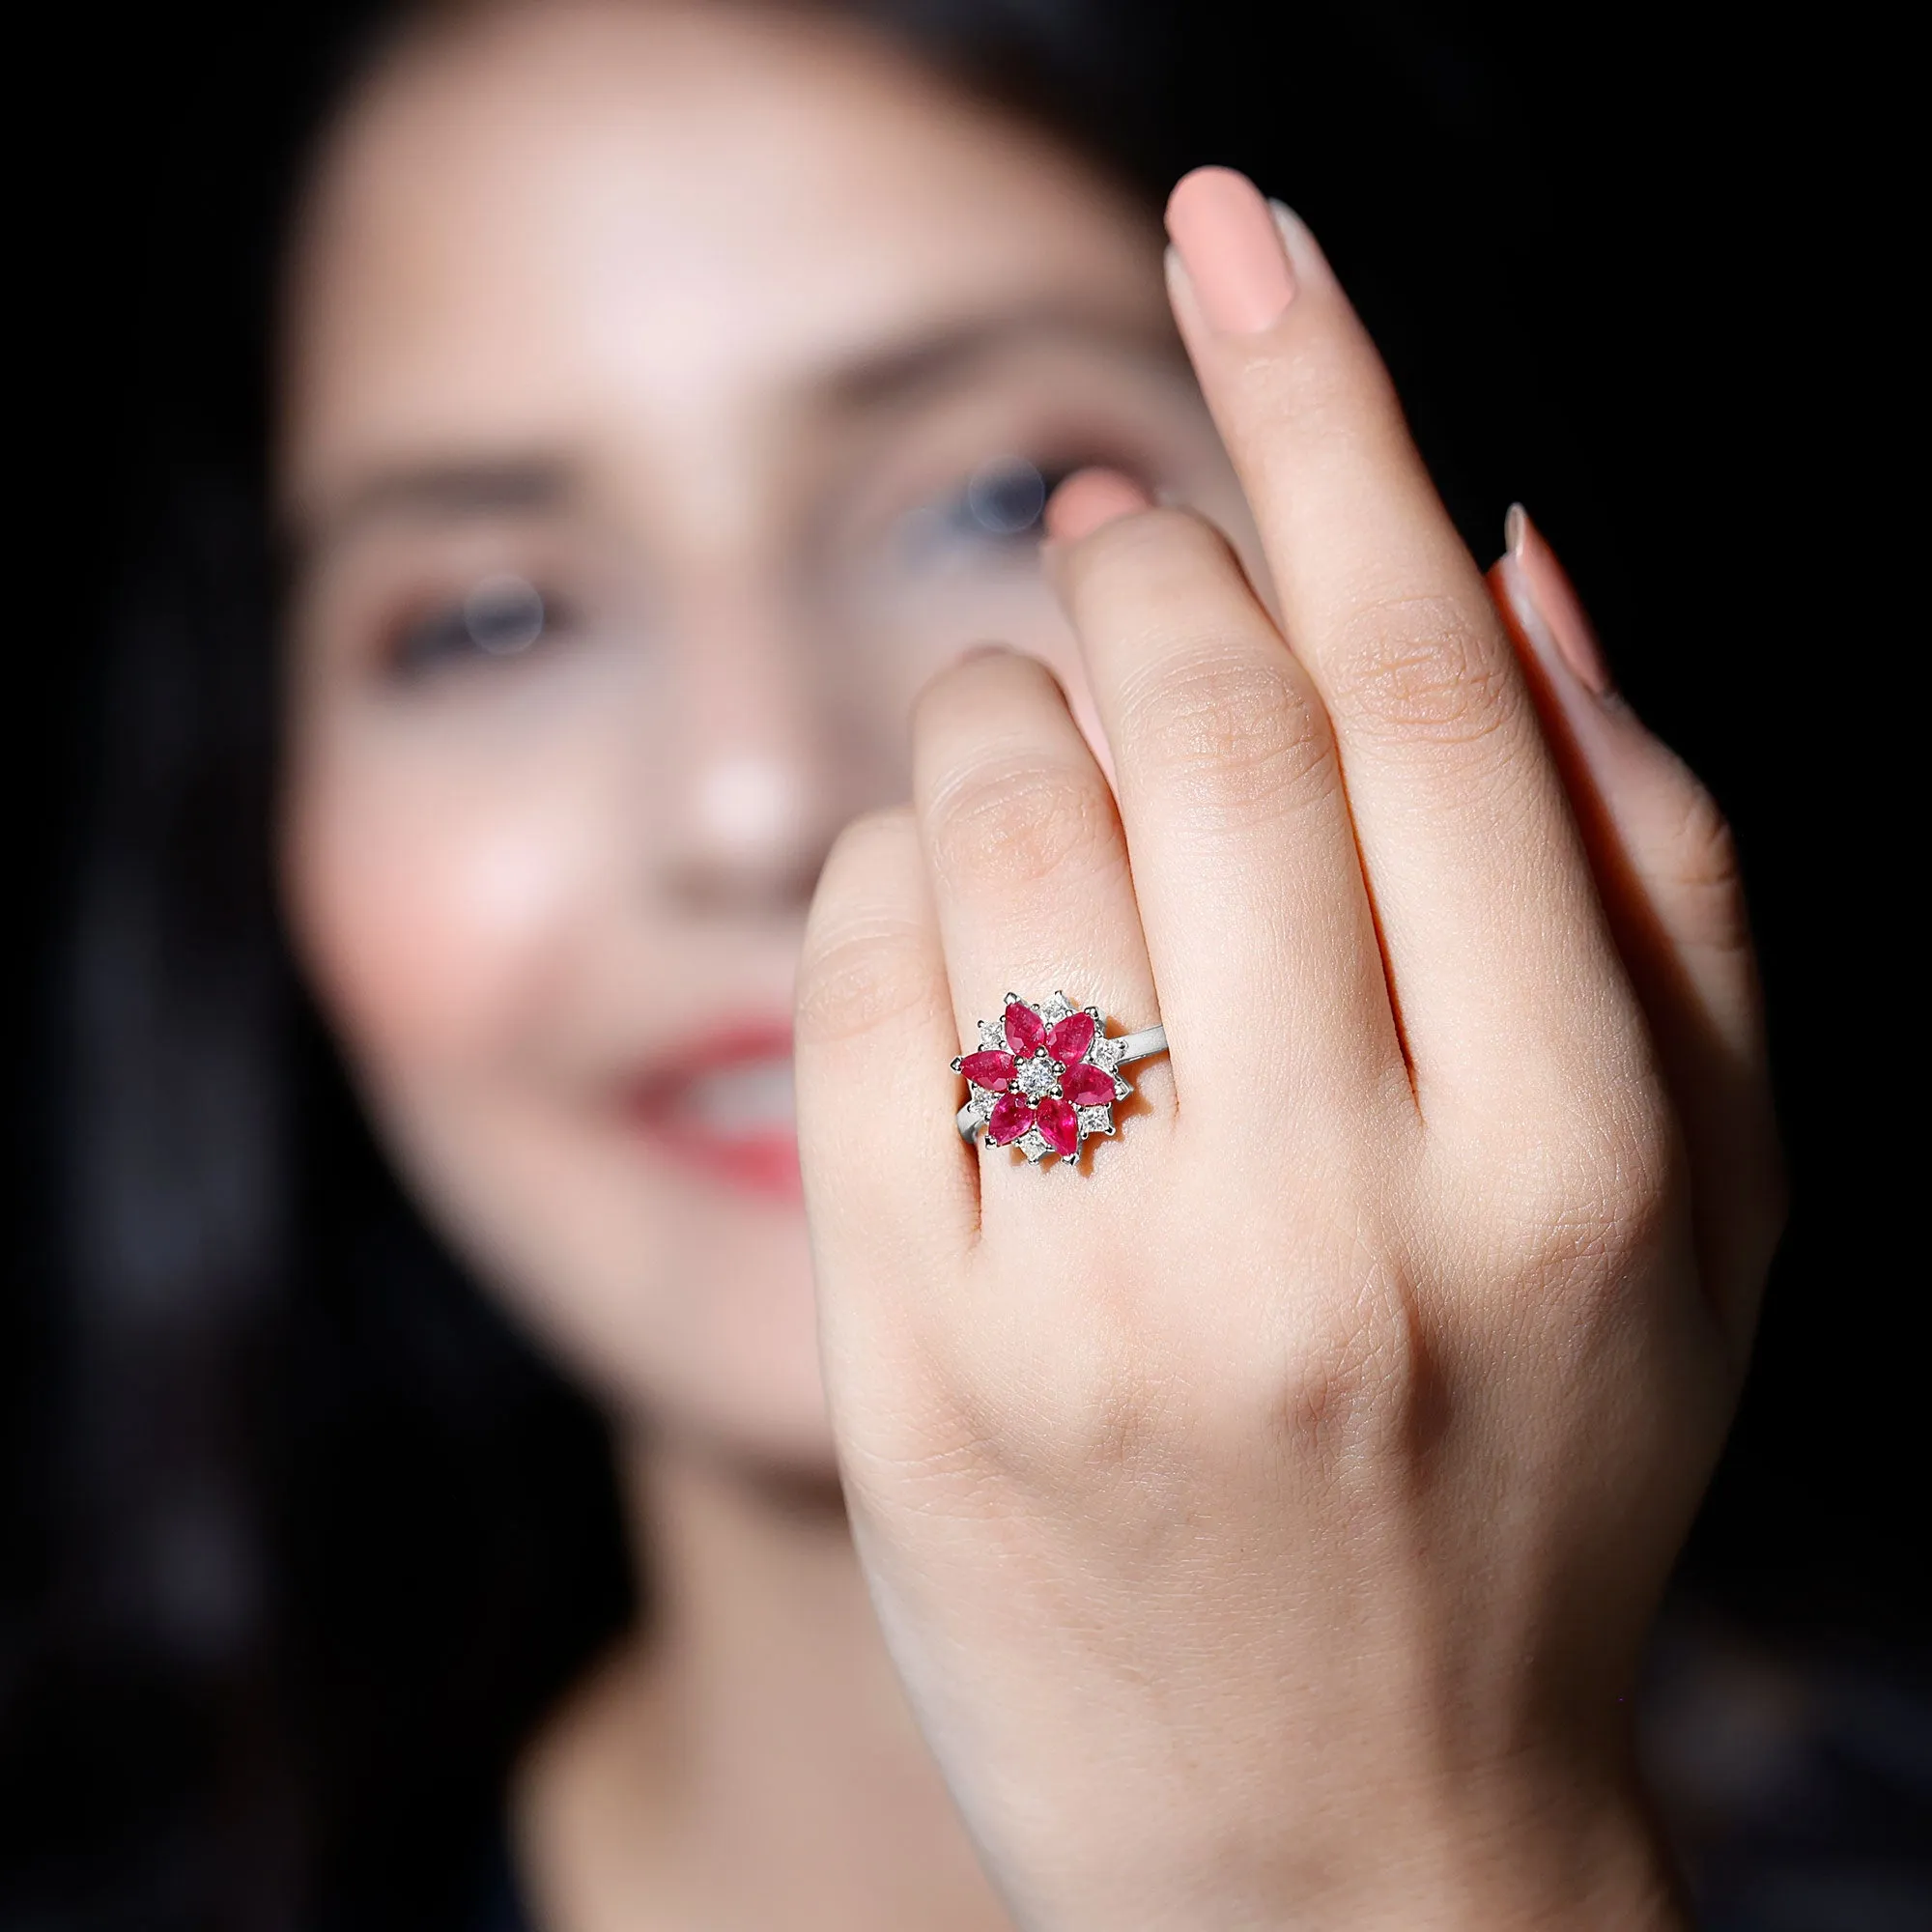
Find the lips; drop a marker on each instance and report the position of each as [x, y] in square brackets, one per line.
[725, 1107]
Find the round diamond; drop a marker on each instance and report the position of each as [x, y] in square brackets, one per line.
[1036, 1076]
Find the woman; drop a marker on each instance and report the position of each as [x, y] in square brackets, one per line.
[1263, 1505]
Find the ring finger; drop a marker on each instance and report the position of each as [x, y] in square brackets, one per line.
[1030, 877]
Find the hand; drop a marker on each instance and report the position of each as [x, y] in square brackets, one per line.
[1265, 1518]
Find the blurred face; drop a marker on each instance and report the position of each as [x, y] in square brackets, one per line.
[669, 392]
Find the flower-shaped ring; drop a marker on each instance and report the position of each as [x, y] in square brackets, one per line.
[1046, 1076]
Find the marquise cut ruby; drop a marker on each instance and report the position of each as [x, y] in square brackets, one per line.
[994, 1072]
[1026, 1030]
[1069, 1041]
[1086, 1086]
[1059, 1127]
[1011, 1117]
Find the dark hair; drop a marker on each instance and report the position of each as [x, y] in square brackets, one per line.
[307, 1536]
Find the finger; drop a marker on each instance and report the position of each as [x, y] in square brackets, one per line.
[1029, 871]
[1488, 923]
[892, 1196]
[1667, 866]
[1251, 895]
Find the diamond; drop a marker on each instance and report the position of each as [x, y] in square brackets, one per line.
[1056, 1009]
[1032, 1146]
[1096, 1120]
[1037, 1076]
[992, 1037]
[1105, 1053]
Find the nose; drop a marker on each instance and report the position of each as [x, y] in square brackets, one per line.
[759, 784]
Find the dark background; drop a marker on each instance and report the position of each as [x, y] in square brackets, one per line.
[1611, 258]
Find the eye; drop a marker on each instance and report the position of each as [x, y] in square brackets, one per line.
[500, 617]
[1006, 497]
[996, 514]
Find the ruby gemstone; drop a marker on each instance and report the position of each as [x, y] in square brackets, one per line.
[1086, 1086]
[1026, 1030]
[1011, 1117]
[1069, 1041]
[994, 1072]
[1060, 1127]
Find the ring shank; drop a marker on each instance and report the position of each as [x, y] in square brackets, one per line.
[1142, 1045]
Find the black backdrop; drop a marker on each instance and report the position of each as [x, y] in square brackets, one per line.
[1605, 253]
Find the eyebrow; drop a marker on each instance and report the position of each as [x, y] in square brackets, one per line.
[929, 362]
[454, 489]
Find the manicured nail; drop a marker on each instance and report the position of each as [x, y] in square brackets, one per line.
[1089, 499]
[1556, 601]
[1229, 244]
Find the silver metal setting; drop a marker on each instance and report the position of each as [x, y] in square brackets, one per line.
[1022, 1074]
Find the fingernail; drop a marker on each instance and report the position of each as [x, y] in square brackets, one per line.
[1089, 499]
[1556, 601]
[1232, 249]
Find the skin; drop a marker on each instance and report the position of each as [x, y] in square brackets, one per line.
[1175, 1483]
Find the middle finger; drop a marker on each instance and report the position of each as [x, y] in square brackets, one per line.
[1496, 947]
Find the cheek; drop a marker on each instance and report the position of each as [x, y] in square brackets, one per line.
[429, 906]
[473, 929]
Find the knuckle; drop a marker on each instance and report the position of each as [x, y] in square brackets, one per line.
[1362, 1380]
[1015, 821]
[1234, 732]
[1585, 1198]
[1422, 667]
[1350, 1357]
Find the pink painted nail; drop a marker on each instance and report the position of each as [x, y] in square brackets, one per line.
[1228, 242]
[1556, 601]
[1089, 499]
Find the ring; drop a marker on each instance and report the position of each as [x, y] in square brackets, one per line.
[1046, 1076]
